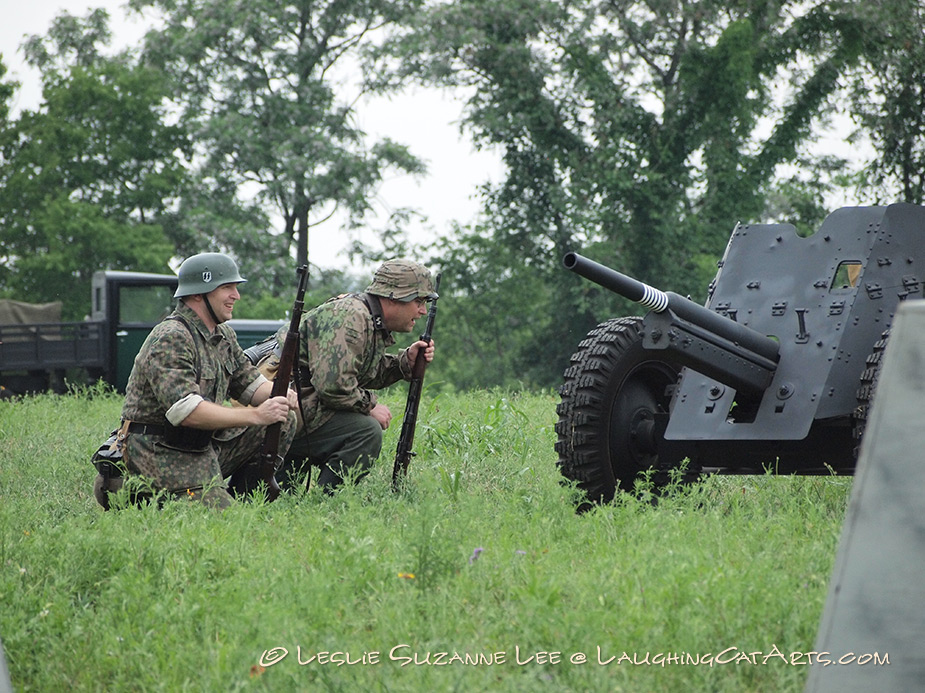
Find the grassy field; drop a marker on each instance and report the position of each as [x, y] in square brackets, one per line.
[478, 576]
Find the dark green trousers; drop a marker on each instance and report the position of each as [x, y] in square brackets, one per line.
[348, 444]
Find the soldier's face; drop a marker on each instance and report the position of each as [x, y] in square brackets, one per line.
[223, 299]
[400, 317]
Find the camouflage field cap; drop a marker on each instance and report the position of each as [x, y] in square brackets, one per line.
[402, 280]
[200, 274]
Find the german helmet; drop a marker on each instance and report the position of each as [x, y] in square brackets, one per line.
[402, 280]
[200, 274]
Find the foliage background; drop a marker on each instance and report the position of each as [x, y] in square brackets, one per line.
[639, 132]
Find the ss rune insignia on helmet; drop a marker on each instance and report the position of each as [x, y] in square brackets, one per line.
[200, 274]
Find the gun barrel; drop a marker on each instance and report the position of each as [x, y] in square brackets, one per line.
[659, 301]
[633, 289]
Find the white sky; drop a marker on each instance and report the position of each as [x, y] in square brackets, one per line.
[423, 120]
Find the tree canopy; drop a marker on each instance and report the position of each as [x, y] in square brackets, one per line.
[637, 132]
[887, 94]
[264, 86]
[85, 178]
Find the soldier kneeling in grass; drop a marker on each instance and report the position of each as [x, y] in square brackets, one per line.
[175, 431]
[342, 360]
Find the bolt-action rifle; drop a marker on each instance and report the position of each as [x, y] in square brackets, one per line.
[270, 459]
[403, 453]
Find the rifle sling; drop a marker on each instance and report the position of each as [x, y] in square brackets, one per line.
[375, 311]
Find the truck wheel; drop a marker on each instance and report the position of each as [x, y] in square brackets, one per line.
[867, 390]
[612, 390]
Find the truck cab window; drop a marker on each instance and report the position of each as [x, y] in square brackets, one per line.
[145, 304]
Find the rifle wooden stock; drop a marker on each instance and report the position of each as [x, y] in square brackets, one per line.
[403, 452]
[270, 458]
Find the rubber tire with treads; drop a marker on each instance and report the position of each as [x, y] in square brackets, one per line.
[611, 392]
[867, 390]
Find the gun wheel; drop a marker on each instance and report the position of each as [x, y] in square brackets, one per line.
[867, 390]
[613, 389]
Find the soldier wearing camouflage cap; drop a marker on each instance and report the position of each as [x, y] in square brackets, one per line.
[177, 433]
[343, 359]
[402, 280]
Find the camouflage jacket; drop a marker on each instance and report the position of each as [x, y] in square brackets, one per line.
[342, 357]
[165, 386]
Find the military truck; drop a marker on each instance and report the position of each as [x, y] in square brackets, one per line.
[38, 352]
[775, 372]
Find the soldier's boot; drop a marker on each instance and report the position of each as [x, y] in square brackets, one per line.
[216, 498]
[102, 487]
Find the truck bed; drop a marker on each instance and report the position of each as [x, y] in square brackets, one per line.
[45, 346]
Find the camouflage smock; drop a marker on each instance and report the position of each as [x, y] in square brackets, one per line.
[165, 372]
[342, 357]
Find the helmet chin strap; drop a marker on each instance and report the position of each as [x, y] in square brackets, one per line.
[205, 298]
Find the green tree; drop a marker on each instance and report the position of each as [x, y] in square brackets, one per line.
[85, 178]
[262, 83]
[638, 133]
[7, 90]
[888, 98]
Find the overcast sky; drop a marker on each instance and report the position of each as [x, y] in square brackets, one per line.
[423, 120]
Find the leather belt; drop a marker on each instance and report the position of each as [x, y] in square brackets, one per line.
[146, 429]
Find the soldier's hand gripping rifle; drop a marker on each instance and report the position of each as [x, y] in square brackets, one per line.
[403, 453]
[270, 459]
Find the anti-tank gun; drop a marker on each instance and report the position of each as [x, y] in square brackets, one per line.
[775, 372]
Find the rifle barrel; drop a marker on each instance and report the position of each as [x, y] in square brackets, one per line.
[269, 452]
[403, 452]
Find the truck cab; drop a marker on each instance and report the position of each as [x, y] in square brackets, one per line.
[125, 306]
[129, 304]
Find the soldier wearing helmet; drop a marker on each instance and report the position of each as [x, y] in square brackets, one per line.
[343, 360]
[177, 433]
